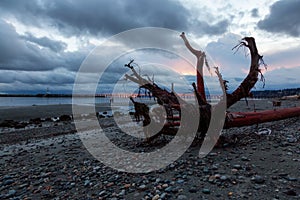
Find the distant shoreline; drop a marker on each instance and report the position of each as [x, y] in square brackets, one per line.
[256, 94]
[52, 95]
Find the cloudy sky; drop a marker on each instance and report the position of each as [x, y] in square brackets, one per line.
[44, 42]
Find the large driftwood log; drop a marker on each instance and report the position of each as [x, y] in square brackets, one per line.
[171, 100]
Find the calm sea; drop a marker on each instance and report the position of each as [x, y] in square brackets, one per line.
[29, 101]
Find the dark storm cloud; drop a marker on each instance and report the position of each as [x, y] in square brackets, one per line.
[33, 61]
[202, 27]
[54, 77]
[16, 54]
[55, 46]
[284, 18]
[106, 17]
[22, 53]
[254, 12]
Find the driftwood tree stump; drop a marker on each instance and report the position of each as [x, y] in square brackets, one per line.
[171, 100]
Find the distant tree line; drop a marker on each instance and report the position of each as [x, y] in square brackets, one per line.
[276, 93]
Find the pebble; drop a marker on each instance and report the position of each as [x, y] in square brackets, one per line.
[182, 197]
[244, 158]
[5, 177]
[169, 189]
[8, 182]
[142, 187]
[180, 181]
[127, 185]
[193, 190]
[290, 192]
[122, 193]
[11, 193]
[206, 170]
[206, 191]
[291, 179]
[258, 179]
[237, 166]
[291, 140]
[156, 197]
[102, 193]
[87, 182]
[223, 178]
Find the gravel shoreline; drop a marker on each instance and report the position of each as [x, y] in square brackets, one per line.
[245, 165]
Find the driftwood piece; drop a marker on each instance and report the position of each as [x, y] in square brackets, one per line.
[163, 96]
[171, 100]
[141, 109]
[243, 90]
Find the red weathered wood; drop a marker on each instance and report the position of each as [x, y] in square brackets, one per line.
[200, 84]
[239, 119]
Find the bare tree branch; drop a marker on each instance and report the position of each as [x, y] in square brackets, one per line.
[248, 83]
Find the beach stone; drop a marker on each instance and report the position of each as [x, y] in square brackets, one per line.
[291, 178]
[182, 197]
[244, 158]
[122, 193]
[87, 182]
[193, 189]
[175, 189]
[65, 118]
[7, 177]
[142, 187]
[156, 197]
[290, 192]
[169, 189]
[180, 181]
[8, 123]
[206, 170]
[102, 193]
[223, 178]
[35, 121]
[237, 166]
[20, 125]
[206, 191]
[211, 179]
[11, 193]
[127, 185]
[157, 180]
[8, 182]
[258, 179]
[45, 193]
[163, 195]
[48, 119]
[292, 140]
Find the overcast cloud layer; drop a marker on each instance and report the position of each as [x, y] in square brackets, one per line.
[43, 43]
[283, 18]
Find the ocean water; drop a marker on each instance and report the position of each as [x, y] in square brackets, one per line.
[29, 101]
[117, 101]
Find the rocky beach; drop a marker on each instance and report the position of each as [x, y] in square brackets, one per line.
[42, 157]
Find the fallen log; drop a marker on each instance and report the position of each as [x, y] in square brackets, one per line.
[239, 119]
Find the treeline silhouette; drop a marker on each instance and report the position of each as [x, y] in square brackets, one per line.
[276, 93]
[256, 94]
